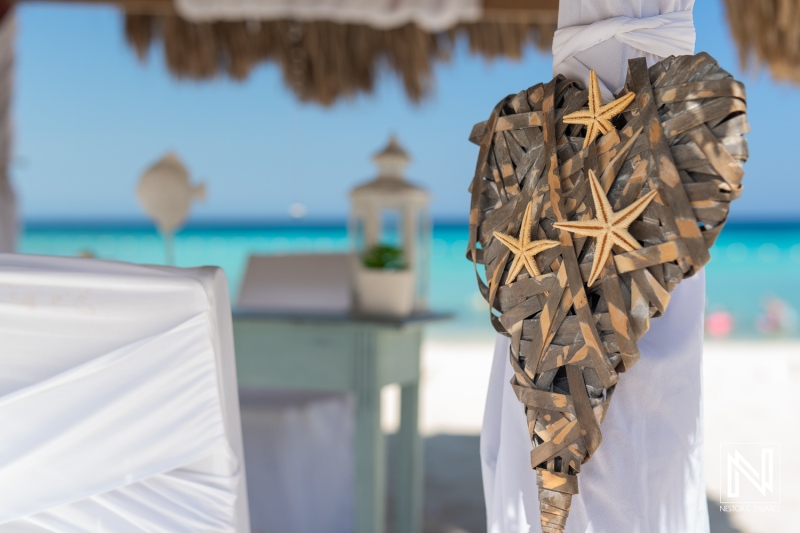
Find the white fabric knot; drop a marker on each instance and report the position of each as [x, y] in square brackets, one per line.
[653, 37]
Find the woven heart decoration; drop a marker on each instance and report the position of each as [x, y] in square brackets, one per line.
[586, 216]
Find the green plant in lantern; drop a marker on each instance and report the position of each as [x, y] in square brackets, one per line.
[384, 257]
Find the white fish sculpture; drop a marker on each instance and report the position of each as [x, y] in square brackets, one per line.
[166, 194]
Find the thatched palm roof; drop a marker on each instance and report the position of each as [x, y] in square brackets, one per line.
[768, 34]
[322, 61]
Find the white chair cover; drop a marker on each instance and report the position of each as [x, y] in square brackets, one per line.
[118, 399]
[292, 283]
[647, 475]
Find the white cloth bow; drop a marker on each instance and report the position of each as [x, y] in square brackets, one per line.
[654, 37]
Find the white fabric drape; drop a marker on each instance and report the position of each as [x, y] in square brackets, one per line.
[647, 475]
[300, 448]
[8, 202]
[432, 16]
[604, 35]
[118, 399]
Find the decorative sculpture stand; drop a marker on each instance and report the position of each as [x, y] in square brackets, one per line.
[166, 194]
[584, 232]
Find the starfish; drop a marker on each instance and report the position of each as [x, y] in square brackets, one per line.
[597, 118]
[523, 248]
[609, 228]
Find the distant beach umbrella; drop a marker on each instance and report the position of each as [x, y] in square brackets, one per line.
[719, 324]
[166, 194]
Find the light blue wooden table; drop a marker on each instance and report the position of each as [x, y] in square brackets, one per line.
[349, 354]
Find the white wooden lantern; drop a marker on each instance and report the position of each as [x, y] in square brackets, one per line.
[391, 211]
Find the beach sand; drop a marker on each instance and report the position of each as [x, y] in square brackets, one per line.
[751, 395]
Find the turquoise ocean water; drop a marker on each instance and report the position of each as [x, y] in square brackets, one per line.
[751, 263]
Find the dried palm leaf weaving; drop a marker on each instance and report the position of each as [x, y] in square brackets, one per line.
[582, 241]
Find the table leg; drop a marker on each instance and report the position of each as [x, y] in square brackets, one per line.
[370, 479]
[409, 484]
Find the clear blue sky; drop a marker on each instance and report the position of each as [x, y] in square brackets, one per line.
[90, 117]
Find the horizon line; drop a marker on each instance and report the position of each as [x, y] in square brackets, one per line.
[213, 222]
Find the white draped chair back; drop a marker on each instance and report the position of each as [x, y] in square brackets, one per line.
[118, 399]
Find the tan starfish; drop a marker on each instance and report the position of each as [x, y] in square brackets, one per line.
[609, 228]
[597, 118]
[523, 248]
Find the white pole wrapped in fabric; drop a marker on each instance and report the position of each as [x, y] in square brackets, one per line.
[8, 204]
[647, 474]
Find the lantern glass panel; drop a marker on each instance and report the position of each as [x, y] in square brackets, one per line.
[358, 235]
[391, 228]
